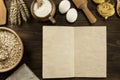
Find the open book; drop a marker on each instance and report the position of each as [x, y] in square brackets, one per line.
[74, 51]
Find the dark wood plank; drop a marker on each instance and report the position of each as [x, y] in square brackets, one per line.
[31, 34]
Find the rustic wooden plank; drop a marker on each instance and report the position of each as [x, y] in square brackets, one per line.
[31, 34]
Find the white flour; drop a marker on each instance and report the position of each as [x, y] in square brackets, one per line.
[44, 9]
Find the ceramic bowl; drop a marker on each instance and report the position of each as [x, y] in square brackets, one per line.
[19, 53]
[46, 18]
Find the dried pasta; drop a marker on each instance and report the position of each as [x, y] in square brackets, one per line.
[99, 1]
[106, 9]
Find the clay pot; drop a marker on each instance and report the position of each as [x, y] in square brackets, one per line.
[48, 17]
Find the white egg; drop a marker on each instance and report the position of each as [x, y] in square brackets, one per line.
[72, 15]
[64, 6]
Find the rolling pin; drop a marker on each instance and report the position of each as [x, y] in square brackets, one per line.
[82, 4]
[2, 13]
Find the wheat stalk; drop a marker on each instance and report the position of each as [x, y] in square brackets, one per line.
[24, 17]
[19, 15]
[19, 18]
[18, 9]
[25, 8]
[13, 12]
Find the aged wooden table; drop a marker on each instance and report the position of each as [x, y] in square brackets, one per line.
[31, 34]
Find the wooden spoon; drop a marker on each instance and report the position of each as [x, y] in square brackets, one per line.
[3, 13]
[82, 4]
[118, 7]
[39, 2]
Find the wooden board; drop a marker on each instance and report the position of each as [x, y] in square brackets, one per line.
[2, 13]
[31, 34]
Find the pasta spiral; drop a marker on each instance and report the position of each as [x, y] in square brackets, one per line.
[106, 9]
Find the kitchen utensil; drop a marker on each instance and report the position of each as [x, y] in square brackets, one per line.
[3, 13]
[39, 2]
[82, 4]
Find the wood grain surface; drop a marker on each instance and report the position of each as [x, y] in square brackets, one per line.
[31, 34]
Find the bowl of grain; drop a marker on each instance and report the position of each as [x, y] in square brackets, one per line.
[11, 49]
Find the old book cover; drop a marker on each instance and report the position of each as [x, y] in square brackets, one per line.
[74, 51]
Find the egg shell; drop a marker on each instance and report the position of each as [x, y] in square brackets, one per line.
[72, 15]
[64, 6]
